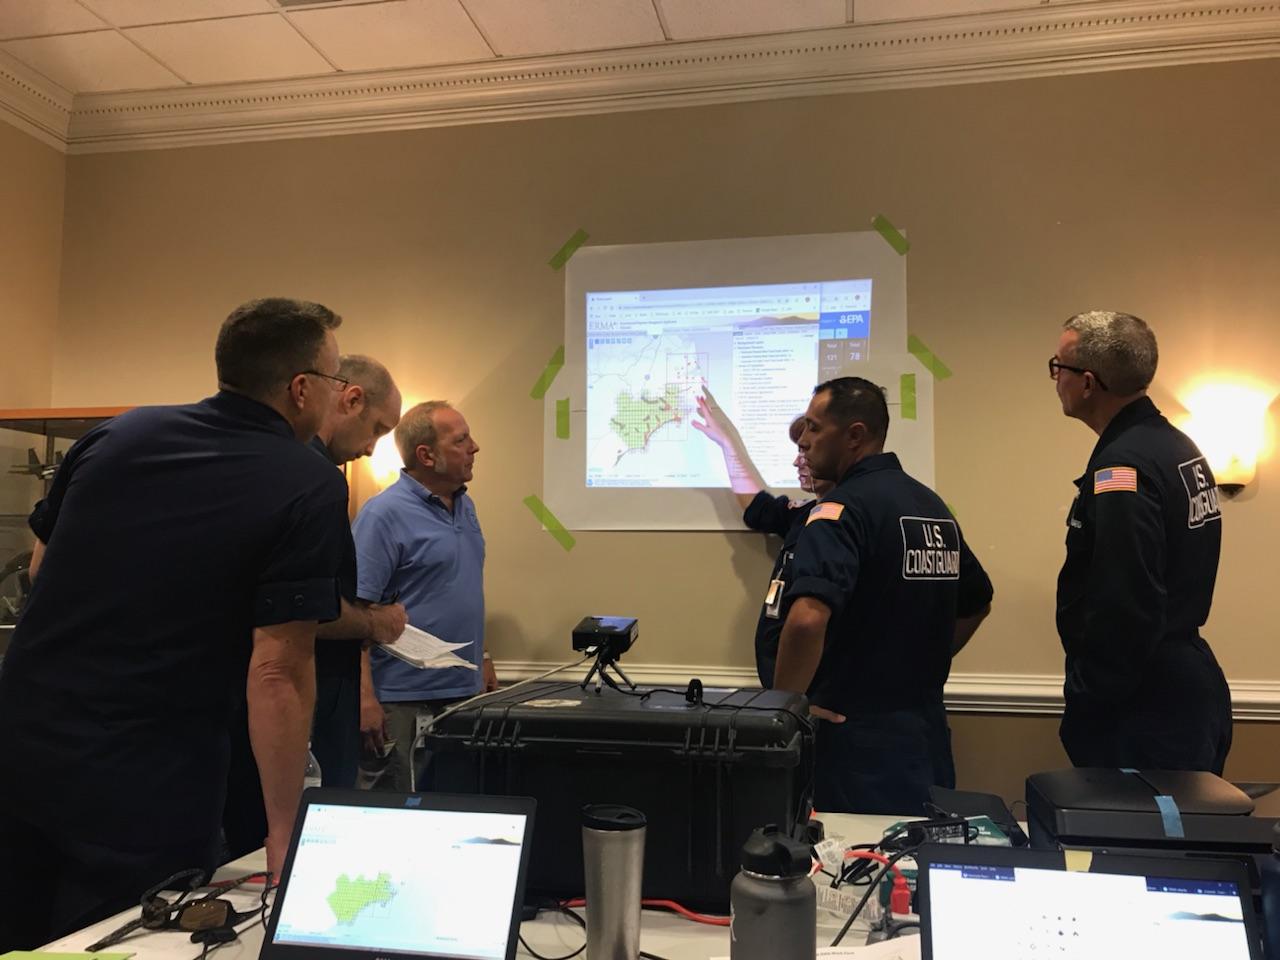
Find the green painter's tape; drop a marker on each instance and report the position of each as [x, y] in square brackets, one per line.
[548, 374]
[568, 250]
[562, 419]
[548, 520]
[916, 347]
[907, 391]
[890, 234]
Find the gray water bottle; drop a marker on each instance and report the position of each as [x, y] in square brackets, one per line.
[613, 867]
[773, 901]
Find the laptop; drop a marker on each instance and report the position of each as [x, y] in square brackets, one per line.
[372, 876]
[1000, 902]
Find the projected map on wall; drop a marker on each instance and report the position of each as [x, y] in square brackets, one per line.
[759, 349]
[753, 324]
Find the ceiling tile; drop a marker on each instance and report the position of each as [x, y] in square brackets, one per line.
[37, 18]
[699, 19]
[401, 33]
[132, 13]
[92, 62]
[229, 51]
[530, 27]
[867, 11]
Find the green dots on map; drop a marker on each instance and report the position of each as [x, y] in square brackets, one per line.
[351, 897]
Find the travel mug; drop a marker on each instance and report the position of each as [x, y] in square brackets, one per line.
[613, 868]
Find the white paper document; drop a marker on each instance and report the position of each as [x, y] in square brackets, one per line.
[426, 651]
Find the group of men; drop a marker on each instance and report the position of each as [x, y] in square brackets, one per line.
[875, 589]
[202, 610]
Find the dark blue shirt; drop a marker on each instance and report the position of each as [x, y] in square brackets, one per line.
[172, 533]
[1143, 538]
[884, 553]
[409, 544]
[783, 518]
[339, 658]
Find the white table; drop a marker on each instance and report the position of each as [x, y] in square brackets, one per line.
[662, 933]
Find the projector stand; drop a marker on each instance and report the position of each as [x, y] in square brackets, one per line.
[605, 660]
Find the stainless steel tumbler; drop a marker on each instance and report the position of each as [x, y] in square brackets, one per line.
[613, 867]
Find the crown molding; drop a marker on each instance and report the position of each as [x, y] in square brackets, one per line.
[1031, 694]
[1047, 40]
[33, 104]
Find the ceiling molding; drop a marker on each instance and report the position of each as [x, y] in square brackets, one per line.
[33, 104]
[1046, 40]
[1033, 694]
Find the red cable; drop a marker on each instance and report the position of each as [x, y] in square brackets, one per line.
[666, 905]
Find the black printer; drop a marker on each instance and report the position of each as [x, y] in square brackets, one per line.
[1178, 813]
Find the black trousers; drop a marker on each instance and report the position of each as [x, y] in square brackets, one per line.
[52, 885]
[1179, 718]
[883, 762]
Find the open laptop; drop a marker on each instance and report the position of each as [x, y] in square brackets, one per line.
[372, 876]
[1002, 903]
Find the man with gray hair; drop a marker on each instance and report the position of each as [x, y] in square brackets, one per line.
[419, 540]
[1142, 689]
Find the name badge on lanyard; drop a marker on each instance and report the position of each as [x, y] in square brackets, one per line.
[777, 587]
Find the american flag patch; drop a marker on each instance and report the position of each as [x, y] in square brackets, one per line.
[825, 511]
[1115, 478]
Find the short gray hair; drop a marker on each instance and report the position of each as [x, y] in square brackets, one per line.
[369, 374]
[1118, 347]
[417, 428]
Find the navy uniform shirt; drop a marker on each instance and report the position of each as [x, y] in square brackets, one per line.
[883, 552]
[172, 533]
[1143, 537]
[339, 658]
[783, 518]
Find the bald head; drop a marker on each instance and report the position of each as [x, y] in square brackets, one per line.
[368, 408]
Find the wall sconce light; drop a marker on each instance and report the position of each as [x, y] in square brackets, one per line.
[384, 464]
[1228, 421]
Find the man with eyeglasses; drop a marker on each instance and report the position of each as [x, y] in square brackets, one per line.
[186, 554]
[1143, 689]
[367, 408]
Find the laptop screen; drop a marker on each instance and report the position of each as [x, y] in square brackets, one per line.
[402, 879]
[1018, 912]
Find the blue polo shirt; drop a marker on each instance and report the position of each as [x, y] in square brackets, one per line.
[411, 546]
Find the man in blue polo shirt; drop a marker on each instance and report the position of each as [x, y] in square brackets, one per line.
[419, 541]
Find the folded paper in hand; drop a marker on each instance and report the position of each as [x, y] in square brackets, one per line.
[426, 651]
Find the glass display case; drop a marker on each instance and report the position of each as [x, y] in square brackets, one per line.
[32, 444]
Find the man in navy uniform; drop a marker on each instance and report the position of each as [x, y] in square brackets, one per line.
[884, 593]
[1142, 687]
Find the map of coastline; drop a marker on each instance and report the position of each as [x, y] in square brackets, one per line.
[351, 897]
[637, 419]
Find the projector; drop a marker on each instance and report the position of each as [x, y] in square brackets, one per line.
[611, 636]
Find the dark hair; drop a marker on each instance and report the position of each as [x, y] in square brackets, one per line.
[855, 399]
[796, 429]
[264, 343]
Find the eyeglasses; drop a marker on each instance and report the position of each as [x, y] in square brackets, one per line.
[209, 919]
[342, 382]
[1055, 365]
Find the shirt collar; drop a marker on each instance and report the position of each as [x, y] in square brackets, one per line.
[422, 493]
[872, 464]
[243, 407]
[1130, 414]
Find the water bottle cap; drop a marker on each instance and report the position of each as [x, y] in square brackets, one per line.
[612, 816]
[772, 854]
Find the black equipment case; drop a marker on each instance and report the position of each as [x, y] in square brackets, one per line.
[705, 774]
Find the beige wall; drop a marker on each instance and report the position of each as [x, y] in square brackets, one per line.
[31, 194]
[1152, 191]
